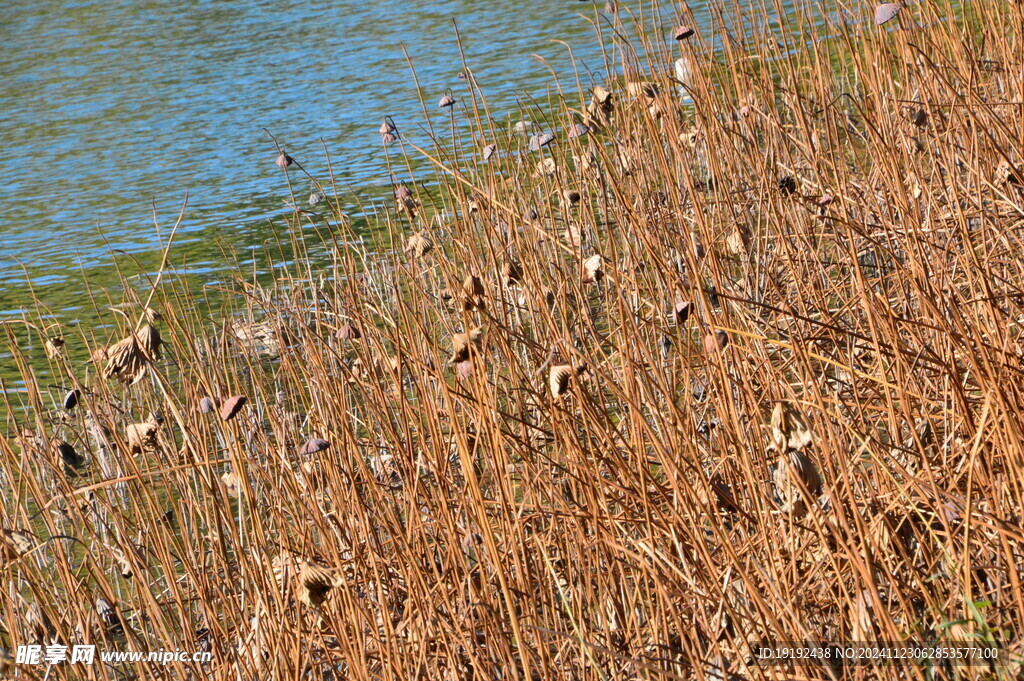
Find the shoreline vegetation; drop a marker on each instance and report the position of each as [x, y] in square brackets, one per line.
[627, 390]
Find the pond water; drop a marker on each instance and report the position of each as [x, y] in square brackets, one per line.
[112, 107]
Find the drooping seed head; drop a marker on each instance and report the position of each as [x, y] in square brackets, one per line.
[67, 453]
[682, 311]
[787, 185]
[314, 445]
[71, 399]
[886, 12]
[541, 139]
[683, 32]
[578, 130]
[232, 406]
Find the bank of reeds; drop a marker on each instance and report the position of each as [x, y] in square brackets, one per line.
[690, 378]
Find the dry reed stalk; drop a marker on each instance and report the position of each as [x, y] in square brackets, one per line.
[843, 213]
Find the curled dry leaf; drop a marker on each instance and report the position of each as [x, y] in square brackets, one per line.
[738, 240]
[312, 582]
[464, 370]
[473, 293]
[268, 338]
[512, 272]
[796, 482]
[523, 127]
[1008, 174]
[97, 356]
[789, 428]
[232, 483]
[307, 477]
[659, 107]
[690, 138]
[149, 339]
[207, 405]
[315, 583]
[473, 286]
[418, 245]
[129, 359]
[572, 234]
[144, 437]
[600, 109]
[540, 140]
[636, 89]
[19, 542]
[405, 201]
[54, 347]
[716, 342]
[561, 376]
[593, 269]
[348, 331]
[546, 167]
[464, 345]
[67, 454]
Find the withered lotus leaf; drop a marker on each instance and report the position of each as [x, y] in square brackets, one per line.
[232, 406]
